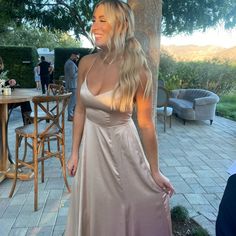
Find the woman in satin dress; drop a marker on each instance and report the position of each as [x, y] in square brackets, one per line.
[118, 189]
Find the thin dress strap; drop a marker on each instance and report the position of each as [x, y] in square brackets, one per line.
[90, 68]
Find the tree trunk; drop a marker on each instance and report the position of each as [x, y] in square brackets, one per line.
[148, 31]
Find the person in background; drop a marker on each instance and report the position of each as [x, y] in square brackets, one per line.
[25, 106]
[71, 74]
[118, 188]
[44, 70]
[37, 77]
[51, 73]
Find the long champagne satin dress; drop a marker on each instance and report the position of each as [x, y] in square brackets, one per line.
[113, 192]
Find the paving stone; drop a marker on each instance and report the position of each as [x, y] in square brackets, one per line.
[4, 202]
[55, 194]
[18, 232]
[18, 199]
[27, 220]
[183, 169]
[182, 187]
[213, 199]
[55, 184]
[206, 173]
[63, 211]
[59, 227]
[61, 220]
[195, 199]
[179, 199]
[188, 175]
[205, 223]
[12, 211]
[197, 188]
[214, 189]
[52, 205]
[40, 231]
[6, 225]
[190, 180]
[205, 209]
[48, 219]
[58, 233]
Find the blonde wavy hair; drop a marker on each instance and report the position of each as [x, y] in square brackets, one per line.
[123, 44]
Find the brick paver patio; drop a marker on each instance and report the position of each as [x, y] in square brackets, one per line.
[195, 157]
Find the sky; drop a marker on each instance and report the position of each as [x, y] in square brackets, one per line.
[217, 36]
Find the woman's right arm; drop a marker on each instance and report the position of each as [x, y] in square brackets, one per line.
[78, 120]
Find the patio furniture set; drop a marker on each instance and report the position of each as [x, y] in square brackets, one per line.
[187, 104]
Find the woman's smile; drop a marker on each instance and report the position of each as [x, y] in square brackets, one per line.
[101, 28]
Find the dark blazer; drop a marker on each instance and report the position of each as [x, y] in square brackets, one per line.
[226, 219]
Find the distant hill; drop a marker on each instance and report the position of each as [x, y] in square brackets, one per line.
[200, 53]
[228, 54]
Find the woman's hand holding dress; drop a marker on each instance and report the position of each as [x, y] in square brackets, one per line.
[72, 165]
[163, 182]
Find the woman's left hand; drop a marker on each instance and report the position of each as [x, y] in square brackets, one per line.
[163, 182]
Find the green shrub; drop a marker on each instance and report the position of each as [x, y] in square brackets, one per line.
[219, 77]
[179, 214]
[227, 106]
[199, 231]
[20, 62]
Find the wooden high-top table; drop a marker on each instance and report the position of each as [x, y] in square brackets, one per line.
[18, 95]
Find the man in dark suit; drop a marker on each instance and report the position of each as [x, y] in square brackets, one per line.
[44, 68]
[226, 219]
[71, 74]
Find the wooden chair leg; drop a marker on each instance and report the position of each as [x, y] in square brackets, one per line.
[164, 123]
[35, 156]
[16, 167]
[42, 162]
[49, 147]
[25, 149]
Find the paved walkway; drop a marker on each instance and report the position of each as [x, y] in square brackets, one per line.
[195, 157]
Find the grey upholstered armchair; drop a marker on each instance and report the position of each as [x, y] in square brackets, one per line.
[194, 104]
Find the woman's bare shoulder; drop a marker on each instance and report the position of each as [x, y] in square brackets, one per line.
[87, 60]
[85, 63]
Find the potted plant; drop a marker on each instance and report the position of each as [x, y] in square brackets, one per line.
[5, 89]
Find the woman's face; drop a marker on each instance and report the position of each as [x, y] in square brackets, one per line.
[101, 28]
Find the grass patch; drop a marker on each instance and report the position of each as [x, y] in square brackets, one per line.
[227, 106]
[183, 225]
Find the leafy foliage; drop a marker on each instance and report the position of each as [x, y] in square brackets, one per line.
[65, 15]
[227, 106]
[183, 225]
[20, 62]
[28, 36]
[199, 231]
[211, 75]
[179, 213]
[186, 16]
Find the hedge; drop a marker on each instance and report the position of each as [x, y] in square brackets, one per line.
[20, 63]
[219, 77]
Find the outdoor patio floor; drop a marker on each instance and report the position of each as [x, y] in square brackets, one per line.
[194, 157]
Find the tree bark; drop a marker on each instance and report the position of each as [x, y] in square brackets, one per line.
[148, 15]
